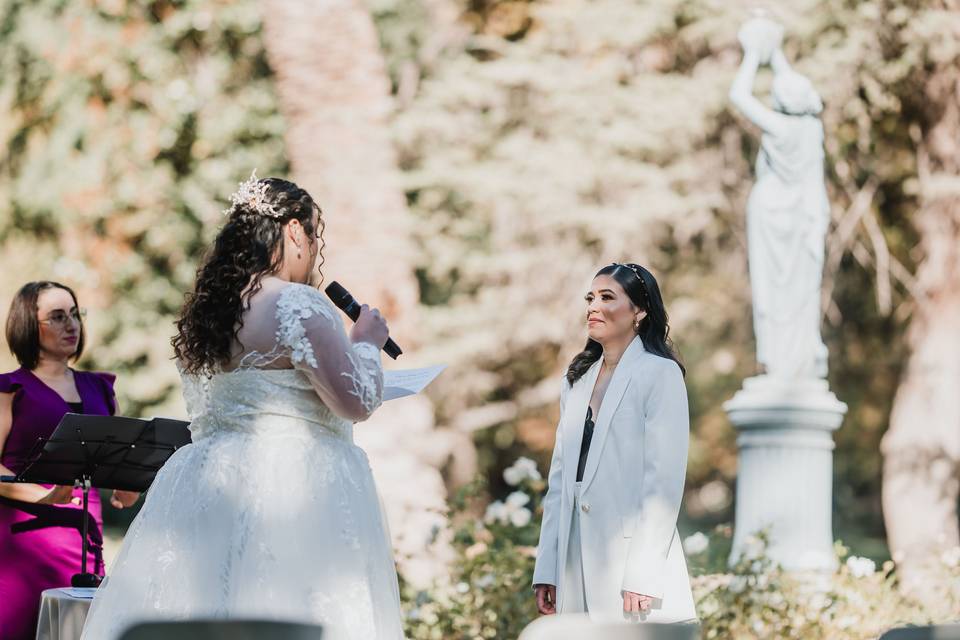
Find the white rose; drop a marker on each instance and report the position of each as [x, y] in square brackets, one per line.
[521, 517]
[529, 467]
[715, 495]
[520, 470]
[696, 544]
[512, 476]
[496, 512]
[738, 584]
[861, 567]
[517, 499]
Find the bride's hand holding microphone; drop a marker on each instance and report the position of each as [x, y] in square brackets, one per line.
[370, 327]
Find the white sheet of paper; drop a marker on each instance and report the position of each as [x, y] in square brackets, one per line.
[406, 382]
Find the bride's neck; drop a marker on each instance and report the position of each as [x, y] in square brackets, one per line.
[285, 273]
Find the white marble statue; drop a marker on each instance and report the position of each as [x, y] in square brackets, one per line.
[787, 212]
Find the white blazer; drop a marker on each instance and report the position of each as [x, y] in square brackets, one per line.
[631, 489]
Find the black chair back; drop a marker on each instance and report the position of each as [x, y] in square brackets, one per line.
[223, 630]
[574, 627]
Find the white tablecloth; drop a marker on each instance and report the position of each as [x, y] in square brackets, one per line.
[62, 614]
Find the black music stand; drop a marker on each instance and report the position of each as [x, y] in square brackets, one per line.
[109, 452]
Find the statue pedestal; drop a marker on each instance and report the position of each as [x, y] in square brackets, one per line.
[785, 475]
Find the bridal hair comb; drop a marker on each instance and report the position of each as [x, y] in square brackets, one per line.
[253, 193]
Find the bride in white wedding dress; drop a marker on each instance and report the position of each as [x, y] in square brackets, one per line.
[271, 512]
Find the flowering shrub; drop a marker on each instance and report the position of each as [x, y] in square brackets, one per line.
[488, 594]
[757, 599]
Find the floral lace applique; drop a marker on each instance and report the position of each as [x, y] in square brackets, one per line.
[296, 304]
[367, 387]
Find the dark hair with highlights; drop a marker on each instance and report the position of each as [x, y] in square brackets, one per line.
[247, 248]
[23, 325]
[654, 331]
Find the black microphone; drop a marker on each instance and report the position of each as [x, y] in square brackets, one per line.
[342, 298]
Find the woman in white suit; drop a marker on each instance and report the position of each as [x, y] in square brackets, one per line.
[608, 543]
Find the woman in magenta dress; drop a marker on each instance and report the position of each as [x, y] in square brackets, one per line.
[40, 526]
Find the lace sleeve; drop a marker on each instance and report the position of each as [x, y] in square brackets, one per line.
[348, 377]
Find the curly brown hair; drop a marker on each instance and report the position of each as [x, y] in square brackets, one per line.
[247, 248]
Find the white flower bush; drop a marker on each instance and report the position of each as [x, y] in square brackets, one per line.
[522, 469]
[757, 599]
[488, 593]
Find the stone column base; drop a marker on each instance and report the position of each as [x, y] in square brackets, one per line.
[785, 476]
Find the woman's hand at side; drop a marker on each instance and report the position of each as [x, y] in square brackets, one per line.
[370, 327]
[546, 598]
[636, 603]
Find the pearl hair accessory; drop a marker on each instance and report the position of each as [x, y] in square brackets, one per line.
[636, 272]
[627, 266]
[253, 193]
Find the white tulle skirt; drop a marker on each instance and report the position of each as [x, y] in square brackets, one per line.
[278, 522]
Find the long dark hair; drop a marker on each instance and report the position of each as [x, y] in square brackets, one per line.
[23, 326]
[248, 247]
[654, 331]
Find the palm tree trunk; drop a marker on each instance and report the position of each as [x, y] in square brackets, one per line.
[921, 471]
[335, 95]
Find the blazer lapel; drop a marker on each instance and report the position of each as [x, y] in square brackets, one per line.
[608, 406]
[574, 416]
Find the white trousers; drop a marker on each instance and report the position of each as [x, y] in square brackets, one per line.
[573, 595]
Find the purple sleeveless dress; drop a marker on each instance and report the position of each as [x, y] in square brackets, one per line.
[40, 544]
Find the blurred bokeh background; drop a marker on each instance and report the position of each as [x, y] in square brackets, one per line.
[533, 142]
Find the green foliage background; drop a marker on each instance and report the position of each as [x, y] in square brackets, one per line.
[125, 125]
[538, 141]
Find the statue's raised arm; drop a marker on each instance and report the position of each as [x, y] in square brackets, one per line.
[760, 39]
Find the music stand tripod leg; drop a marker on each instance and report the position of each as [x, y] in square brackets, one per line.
[84, 579]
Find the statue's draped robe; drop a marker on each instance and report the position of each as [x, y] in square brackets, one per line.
[787, 218]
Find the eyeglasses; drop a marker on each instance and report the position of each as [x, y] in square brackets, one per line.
[60, 319]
